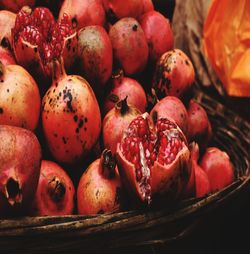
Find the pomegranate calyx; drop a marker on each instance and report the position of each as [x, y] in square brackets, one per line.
[108, 164]
[56, 189]
[58, 70]
[117, 75]
[122, 106]
[13, 192]
[1, 69]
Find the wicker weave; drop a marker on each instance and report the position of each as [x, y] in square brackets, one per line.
[136, 228]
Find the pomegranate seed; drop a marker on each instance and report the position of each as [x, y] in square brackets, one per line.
[138, 174]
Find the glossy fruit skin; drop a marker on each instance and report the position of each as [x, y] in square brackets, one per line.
[174, 74]
[19, 98]
[199, 126]
[129, 46]
[158, 32]
[6, 58]
[117, 120]
[216, 163]
[55, 191]
[171, 107]
[122, 87]
[7, 22]
[83, 12]
[157, 179]
[71, 117]
[147, 6]
[95, 55]
[99, 190]
[16, 5]
[20, 159]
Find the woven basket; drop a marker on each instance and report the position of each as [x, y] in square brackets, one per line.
[136, 228]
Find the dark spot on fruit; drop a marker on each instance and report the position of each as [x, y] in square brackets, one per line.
[74, 22]
[177, 90]
[5, 43]
[182, 115]
[86, 119]
[64, 140]
[97, 194]
[8, 90]
[57, 98]
[68, 99]
[56, 84]
[1, 111]
[2, 80]
[100, 211]
[26, 46]
[80, 124]
[135, 27]
[35, 49]
[54, 90]
[55, 135]
[85, 129]
[60, 94]
[50, 100]
[75, 118]
[113, 98]
[70, 79]
[186, 62]
[77, 130]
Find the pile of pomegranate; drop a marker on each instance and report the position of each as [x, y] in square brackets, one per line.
[95, 111]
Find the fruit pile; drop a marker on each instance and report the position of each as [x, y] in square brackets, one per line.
[119, 132]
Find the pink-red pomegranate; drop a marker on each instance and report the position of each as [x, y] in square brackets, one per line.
[174, 74]
[20, 158]
[172, 108]
[161, 41]
[153, 158]
[7, 22]
[199, 126]
[71, 116]
[147, 6]
[95, 55]
[15, 5]
[99, 190]
[6, 58]
[216, 163]
[38, 39]
[117, 120]
[198, 184]
[83, 12]
[129, 45]
[55, 191]
[125, 87]
[117, 9]
[19, 97]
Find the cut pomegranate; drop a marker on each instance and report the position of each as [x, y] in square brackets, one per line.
[38, 39]
[153, 158]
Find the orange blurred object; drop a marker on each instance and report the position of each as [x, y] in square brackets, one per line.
[227, 44]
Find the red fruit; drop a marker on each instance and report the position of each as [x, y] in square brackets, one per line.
[172, 108]
[95, 54]
[55, 191]
[158, 32]
[125, 87]
[218, 167]
[19, 97]
[129, 45]
[117, 9]
[153, 159]
[20, 158]
[7, 22]
[16, 5]
[38, 39]
[174, 74]
[99, 190]
[115, 122]
[147, 6]
[199, 127]
[53, 5]
[6, 58]
[83, 12]
[70, 116]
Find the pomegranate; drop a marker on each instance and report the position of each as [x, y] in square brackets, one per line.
[95, 54]
[53, 5]
[6, 58]
[217, 165]
[199, 127]
[147, 6]
[171, 107]
[38, 39]
[20, 158]
[125, 87]
[83, 12]
[174, 74]
[158, 41]
[129, 45]
[19, 97]
[153, 159]
[7, 22]
[55, 191]
[99, 190]
[117, 9]
[198, 184]
[115, 122]
[70, 116]
[16, 5]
